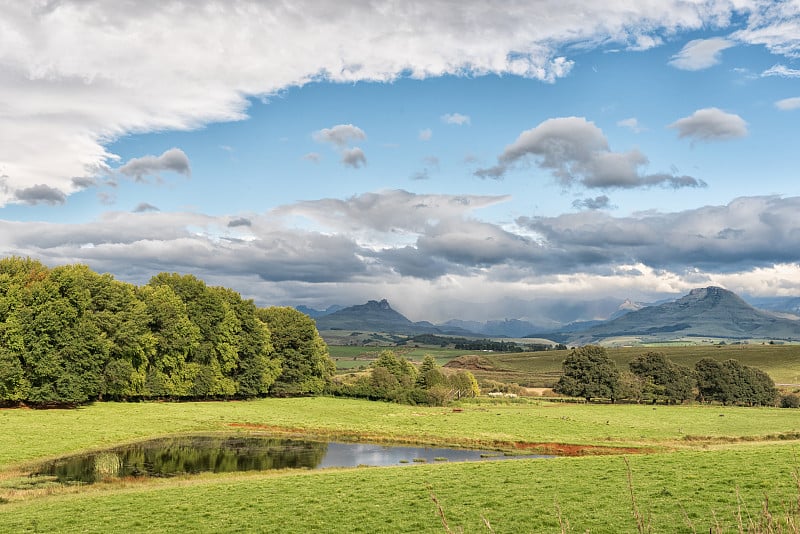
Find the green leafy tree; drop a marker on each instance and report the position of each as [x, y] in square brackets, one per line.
[403, 370]
[429, 374]
[663, 379]
[306, 365]
[730, 382]
[464, 385]
[176, 340]
[214, 358]
[257, 366]
[589, 373]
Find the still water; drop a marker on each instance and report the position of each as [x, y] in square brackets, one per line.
[197, 454]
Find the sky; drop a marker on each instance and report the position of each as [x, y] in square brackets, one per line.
[470, 160]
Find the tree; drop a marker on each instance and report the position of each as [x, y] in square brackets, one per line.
[589, 373]
[306, 365]
[730, 382]
[403, 370]
[257, 366]
[464, 384]
[662, 379]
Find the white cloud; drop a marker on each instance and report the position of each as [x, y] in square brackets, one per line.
[788, 103]
[781, 70]
[455, 118]
[313, 157]
[710, 124]
[77, 74]
[353, 157]
[576, 151]
[426, 134]
[340, 135]
[700, 54]
[632, 123]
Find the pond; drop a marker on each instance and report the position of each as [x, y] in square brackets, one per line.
[222, 454]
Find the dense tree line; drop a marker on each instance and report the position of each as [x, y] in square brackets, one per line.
[395, 379]
[462, 343]
[69, 335]
[590, 373]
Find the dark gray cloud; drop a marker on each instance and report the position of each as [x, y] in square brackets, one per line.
[84, 182]
[427, 242]
[749, 231]
[710, 124]
[143, 207]
[596, 203]
[575, 151]
[174, 160]
[41, 194]
[239, 221]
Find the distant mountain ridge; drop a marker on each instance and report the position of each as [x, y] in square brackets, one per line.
[710, 312]
[311, 312]
[378, 316]
[704, 312]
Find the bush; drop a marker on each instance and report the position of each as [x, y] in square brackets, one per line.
[790, 400]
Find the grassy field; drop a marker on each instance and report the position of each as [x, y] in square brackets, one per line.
[714, 462]
[679, 492]
[542, 369]
[351, 357]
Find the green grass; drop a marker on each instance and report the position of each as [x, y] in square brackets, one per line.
[591, 493]
[711, 453]
[542, 369]
[33, 434]
[352, 357]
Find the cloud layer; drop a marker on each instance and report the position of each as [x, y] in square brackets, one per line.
[416, 248]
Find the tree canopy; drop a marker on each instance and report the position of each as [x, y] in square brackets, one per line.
[69, 335]
[589, 373]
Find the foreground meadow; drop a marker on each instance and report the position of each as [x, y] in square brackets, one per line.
[715, 467]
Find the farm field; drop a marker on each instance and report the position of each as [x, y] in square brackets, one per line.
[353, 357]
[542, 369]
[712, 462]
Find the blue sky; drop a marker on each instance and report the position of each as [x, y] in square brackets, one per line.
[476, 162]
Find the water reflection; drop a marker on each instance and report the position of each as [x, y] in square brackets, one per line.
[197, 454]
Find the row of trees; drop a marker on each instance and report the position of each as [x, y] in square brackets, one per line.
[590, 373]
[394, 378]
[69, 335]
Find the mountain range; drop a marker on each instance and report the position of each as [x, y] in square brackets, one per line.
[705, 312]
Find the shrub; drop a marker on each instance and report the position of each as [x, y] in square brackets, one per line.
[790, 400]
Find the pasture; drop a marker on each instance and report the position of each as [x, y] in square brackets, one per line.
[542, 369]
[705, 466]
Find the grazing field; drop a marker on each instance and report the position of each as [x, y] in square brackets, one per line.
[713, 462]
[542, 369]
[352, 357]
[679, 492]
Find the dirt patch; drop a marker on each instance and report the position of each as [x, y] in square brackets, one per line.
[567, 449]
[471, 363]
